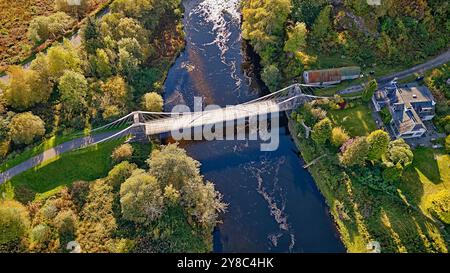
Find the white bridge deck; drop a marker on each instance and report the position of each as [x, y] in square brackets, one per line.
[210, 117]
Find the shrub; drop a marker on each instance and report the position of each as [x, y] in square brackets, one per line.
[40, 234]
[25, 127]
[66, 222]
[14, 221]
[123, 152]
[339, 136]
[120, 173]
[152, 102]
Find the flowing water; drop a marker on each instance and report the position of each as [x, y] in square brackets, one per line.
[274, 205]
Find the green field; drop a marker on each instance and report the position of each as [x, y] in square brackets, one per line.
[357, 121]
[87, 164]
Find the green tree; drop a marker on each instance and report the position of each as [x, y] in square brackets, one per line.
[26, 88]
[25, 127]
[369, 90]
[354, 152]
[307, 10]
[296, 38]
[14, 221]
[378, 144]
[73, 88]
[43, 28]
[61, 58]
[141, 198]
[271, 77]
[122, 153]
[323, 34]
[322, 131]
[203, 202]
[97, 223]
[116, 92]
[91, 37]
[66, 222]
[339, 136]
[152, 102]
[263, 25]
[40, 234]
[172, 166]
[120, 173]
[103, 66]
[399, 154]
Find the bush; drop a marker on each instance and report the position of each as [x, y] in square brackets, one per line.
[25, 127]
[121, 153]
[40, 234]
[79, 192]
[66, 222]
[14, 221]
[339, 136]
[120, 173]
[152, 102]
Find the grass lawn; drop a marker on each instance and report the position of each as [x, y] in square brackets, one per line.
[357, 121]
[85, 164]
[428, 174]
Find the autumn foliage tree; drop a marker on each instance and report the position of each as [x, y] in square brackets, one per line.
[25, 128]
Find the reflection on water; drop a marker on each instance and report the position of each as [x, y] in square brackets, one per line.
[274, 205]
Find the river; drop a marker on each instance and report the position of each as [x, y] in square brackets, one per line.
[274, 205]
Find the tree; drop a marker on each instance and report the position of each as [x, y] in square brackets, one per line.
[369, 90]
[307, 10]
[263, 25]
[271, 77]
[40, 234]
[43, 28]
[203, 202]
[77, 10]
[91, 37]
[61, 58]
[73, 88]
[141, 198]
[26, 88]
[339, 136]
[103, 67]
[152, 102]
[172, 166]
[323, 34]
[296, 38]
[14, 222]
[25, 127]
[378, 144]
[121, 153]
[66, 223]
[399, 154]
[354, 152]
[97, 223]
[115, 92]
[120, 173]
[322, 131]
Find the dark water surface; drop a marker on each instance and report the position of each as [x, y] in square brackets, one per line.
[274, 205]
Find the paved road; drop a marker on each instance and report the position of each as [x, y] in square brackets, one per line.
[384, 81]
[51, 153]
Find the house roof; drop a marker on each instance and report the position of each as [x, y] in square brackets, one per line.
[404, 102]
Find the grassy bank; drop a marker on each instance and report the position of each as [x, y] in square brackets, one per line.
[85, 164]
[363, 213]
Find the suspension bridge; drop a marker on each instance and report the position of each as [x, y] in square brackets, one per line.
[153, 123]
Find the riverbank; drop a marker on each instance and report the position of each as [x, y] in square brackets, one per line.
[366, 213]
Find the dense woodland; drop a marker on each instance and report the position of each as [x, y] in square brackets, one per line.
[157, 205]
[293, 35]
[148, 202]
